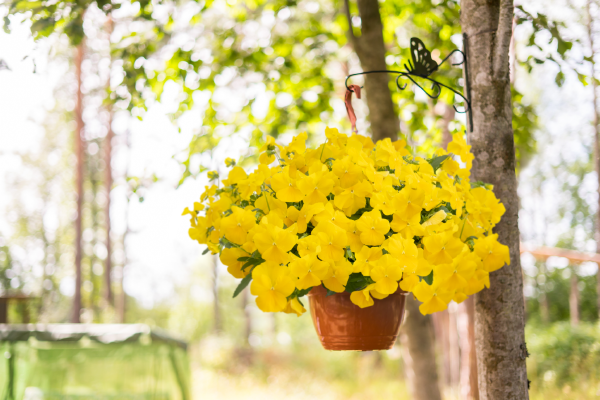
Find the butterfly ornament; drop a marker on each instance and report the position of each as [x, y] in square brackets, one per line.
[421, 67]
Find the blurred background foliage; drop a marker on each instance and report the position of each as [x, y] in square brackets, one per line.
[232, 73]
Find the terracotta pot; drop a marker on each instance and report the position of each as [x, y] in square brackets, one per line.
[342, 325]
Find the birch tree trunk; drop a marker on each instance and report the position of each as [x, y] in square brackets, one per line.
[79, 172]
[499, 314]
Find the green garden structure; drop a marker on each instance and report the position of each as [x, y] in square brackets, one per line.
[91, 361]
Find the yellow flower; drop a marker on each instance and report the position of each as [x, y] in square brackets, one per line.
[408, 227]
[309, 270]
[329, 214]
[230, 257]
[365, 259]
[353, 198]
[285, 187]
[236, 226]
[272, 284]
[269, 205]
[340, 272]
[362, 298]
[402, 249]
[212, 175]
[386, 274]
[294, 307]
[316, 186]
[347, 172]
[434, 298]
[456, 275]
[309, 245]
[383, 201]
[441, 248]
[493, 253]
[411, 274]
[236, 175]
[332, 239]
[373, 228]
[409, 202]
[353, 235]
[302, 217]
[230, 162]
[273, 242]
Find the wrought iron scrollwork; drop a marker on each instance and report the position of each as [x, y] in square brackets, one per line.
[422, 66]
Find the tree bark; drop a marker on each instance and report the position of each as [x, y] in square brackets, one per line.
[469, 389]
[499, 316]
[108, 182]
[420, 357]
[596, 124]
[574, 298]
[370, 48]
[79, 153]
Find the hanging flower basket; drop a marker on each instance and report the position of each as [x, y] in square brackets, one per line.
[342, 325]
[353, 225]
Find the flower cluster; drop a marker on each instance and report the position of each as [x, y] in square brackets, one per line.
[354, 216]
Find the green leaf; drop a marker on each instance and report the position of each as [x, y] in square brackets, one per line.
[243, 258]
[205, 251]
[436, 162]
[245, 281]
[357, 282]
[429, 278]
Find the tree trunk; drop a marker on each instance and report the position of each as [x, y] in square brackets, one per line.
[370, 48]
[79, 153]
[108, 182]
[499, 316]
[469, 389]
[596, 122]
[574, 298]
[420, 357]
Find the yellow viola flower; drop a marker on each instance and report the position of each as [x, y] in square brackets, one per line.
[309, 245]
[269, 205]
[230, 162]
[459, 146]
[404, 250]
[348, 173]
[209, 192]
[386, 274]
[309, 271]
[273, 242]
[353, 198]
[384, 149]
[353, 235]
[335, 137]
[237, 225]
[373, 228]
[286, 187]
[187, 211]
[362, 298]
[410, 275]
[383, 201]
[434, 298]
[332, 239]
[375, 294]
[229, 257]
[365, 259]
[298, 143]
[302, 217]
[441, 248]
[493, 253]
[409, 202]
[340, 273]
[480, 280]
[407, 227]
[236, 175]
[316, 186]
[272, 284]
[330, 214]
[294, 307]
[450, 166]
